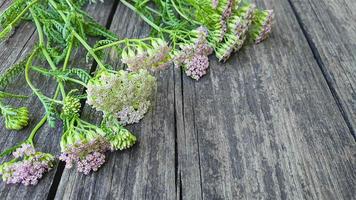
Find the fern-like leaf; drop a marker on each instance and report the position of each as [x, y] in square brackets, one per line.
[12, 72]
[96, 30]
[49, 107]
[4, 34]
[83, 75]
[4, 95]
[11, 13]
[100, 53]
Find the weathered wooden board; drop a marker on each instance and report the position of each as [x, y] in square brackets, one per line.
[4, 4]
[330, 27]
[147, 171]
[264, 125]
[10, 52]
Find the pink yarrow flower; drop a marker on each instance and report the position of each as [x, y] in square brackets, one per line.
[89, 156]
[24, 150]
[194, 57]
[29, 170]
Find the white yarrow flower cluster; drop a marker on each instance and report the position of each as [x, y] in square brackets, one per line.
[124, 94]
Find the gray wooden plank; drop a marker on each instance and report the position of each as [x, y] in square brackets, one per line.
[48, 138]
[146, 171]
[264, 125]
[331, 30]
[4, 4]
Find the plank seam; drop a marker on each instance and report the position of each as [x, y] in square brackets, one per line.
[176, 161]
[326, 76]
[56, 180]
[198, 144]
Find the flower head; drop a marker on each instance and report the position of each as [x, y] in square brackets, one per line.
[194, 55]
[27, 171]
[87, 154]
[91, 162]
[84, 144]
[197, 66]
[113, 93]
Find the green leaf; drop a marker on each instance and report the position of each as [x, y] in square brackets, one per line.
[49, 106]
[10, 14]
[4, 34]
[83, 75]
[4, 95]
[12, 72]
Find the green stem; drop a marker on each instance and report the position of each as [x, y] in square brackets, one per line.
[69, 52]
[40, 123]
[89, 49]
[54, 4]
[55, 96]
[182, 14]
[4, 95]
[120, 42]
[27, 70]
[153, 25]
[76, 81]
[70, 5]
[150, 9]
[44, 50]
[81, 40]
[40, 70]
[34, 130]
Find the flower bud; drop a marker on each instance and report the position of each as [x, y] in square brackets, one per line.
[71, 107]
[123, 140]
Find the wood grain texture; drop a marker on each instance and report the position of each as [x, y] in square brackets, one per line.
[264, 125]
[331, 30]
[12, 50]
[146, 171]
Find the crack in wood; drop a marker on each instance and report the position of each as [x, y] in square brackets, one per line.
[324, 71]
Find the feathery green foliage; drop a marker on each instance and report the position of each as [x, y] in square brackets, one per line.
[12, 72]
[63, 28]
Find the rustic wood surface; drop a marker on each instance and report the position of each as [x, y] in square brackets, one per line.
[330, 28]
[274, 122]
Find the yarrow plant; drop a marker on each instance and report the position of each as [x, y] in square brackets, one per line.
[122, 96]
[184, 32]
[223, 27]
